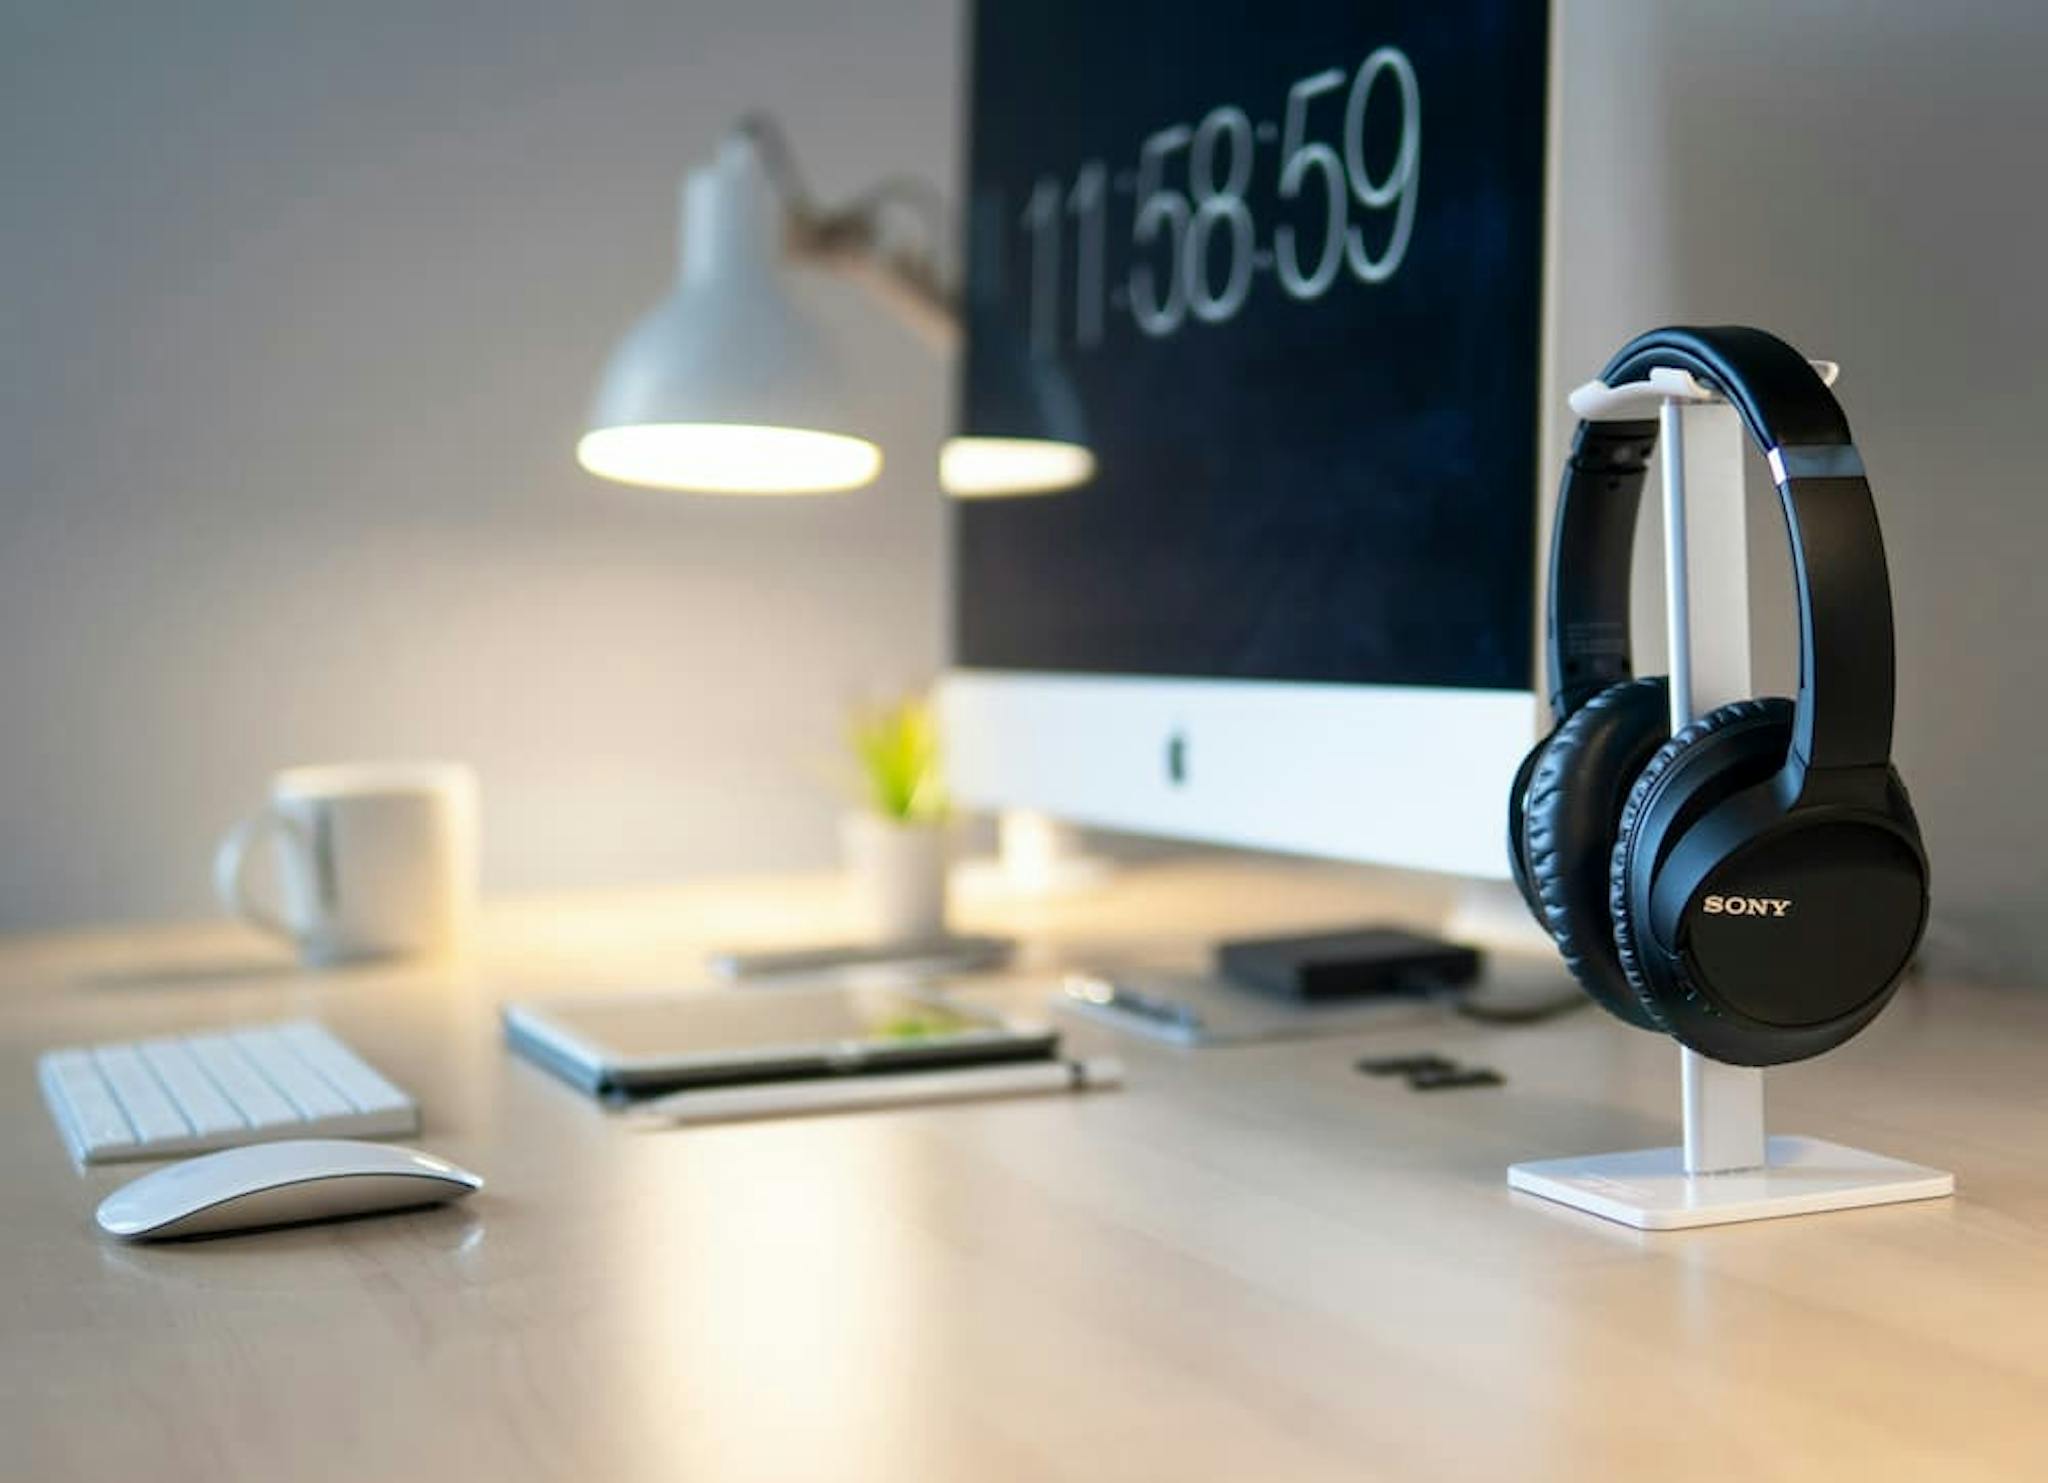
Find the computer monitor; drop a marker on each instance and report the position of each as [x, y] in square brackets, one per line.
[1287, 262]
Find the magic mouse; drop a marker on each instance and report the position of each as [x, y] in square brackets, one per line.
[274, 1184]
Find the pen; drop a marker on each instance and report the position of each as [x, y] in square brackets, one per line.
[901, 1089]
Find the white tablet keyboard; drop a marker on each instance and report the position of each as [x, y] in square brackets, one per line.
[193, 1093]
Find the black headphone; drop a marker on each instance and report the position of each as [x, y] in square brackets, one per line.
[1754, 886]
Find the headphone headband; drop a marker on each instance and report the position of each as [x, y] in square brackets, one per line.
[1843, 714]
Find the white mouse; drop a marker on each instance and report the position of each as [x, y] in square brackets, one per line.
[274, 1184]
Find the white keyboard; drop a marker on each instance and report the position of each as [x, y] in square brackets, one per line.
[194, 1093]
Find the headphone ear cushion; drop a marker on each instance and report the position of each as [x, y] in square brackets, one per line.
[1518, 813]
[1628, 949]
[1574, 798]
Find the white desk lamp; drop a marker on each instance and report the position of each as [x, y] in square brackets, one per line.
[727, 387]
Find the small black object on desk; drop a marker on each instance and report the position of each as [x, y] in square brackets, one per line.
[1354, 964]
[1431, 1073]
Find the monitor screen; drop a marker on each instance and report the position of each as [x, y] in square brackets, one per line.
[1284, 261]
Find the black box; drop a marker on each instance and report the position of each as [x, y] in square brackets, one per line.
[1346, 965]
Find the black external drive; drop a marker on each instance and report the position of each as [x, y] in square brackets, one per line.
[1346, 965]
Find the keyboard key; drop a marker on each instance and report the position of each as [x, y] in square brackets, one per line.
[282, 1068]
[205, 1106]
[90, 1113]
[141, 1095]
[262, 1106]
[343, 1068]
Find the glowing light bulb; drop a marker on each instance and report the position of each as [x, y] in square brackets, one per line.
[986, 468]
[729, 458]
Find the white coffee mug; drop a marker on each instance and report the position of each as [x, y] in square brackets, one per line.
[373, 859]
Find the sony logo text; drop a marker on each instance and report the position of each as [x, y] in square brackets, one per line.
[1747, 906]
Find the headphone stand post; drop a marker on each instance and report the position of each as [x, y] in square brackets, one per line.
[1727, 1168]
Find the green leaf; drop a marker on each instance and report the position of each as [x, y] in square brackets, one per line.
[896, 746]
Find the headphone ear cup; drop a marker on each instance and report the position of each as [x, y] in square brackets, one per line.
[1574, 796]
[1772, 716]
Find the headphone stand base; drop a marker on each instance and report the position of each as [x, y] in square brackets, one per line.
[1649, 1189]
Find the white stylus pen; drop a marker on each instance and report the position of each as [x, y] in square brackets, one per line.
[893, 1089]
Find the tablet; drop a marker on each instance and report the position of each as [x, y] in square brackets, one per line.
[651, 1042]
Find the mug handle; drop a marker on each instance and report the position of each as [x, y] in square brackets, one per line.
[231, 868]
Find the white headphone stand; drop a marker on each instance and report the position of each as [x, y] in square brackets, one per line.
[1728, 1169]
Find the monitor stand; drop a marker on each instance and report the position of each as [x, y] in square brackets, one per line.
[1036, 856]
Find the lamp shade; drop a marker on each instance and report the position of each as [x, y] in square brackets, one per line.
[1023, 431]
[728, 386]
[1021, 425]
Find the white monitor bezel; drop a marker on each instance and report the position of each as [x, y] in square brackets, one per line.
[1272, 765]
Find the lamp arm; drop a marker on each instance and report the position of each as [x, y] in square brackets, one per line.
[848, 239]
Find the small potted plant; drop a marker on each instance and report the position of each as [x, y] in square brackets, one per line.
[895, 841]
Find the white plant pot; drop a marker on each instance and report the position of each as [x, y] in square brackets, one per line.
[898, 873]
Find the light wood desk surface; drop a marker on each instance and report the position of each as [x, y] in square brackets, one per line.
[1252, 1264]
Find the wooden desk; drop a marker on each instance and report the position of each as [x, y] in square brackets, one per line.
[1254, 1264]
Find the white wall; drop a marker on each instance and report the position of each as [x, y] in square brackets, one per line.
[300, 306]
